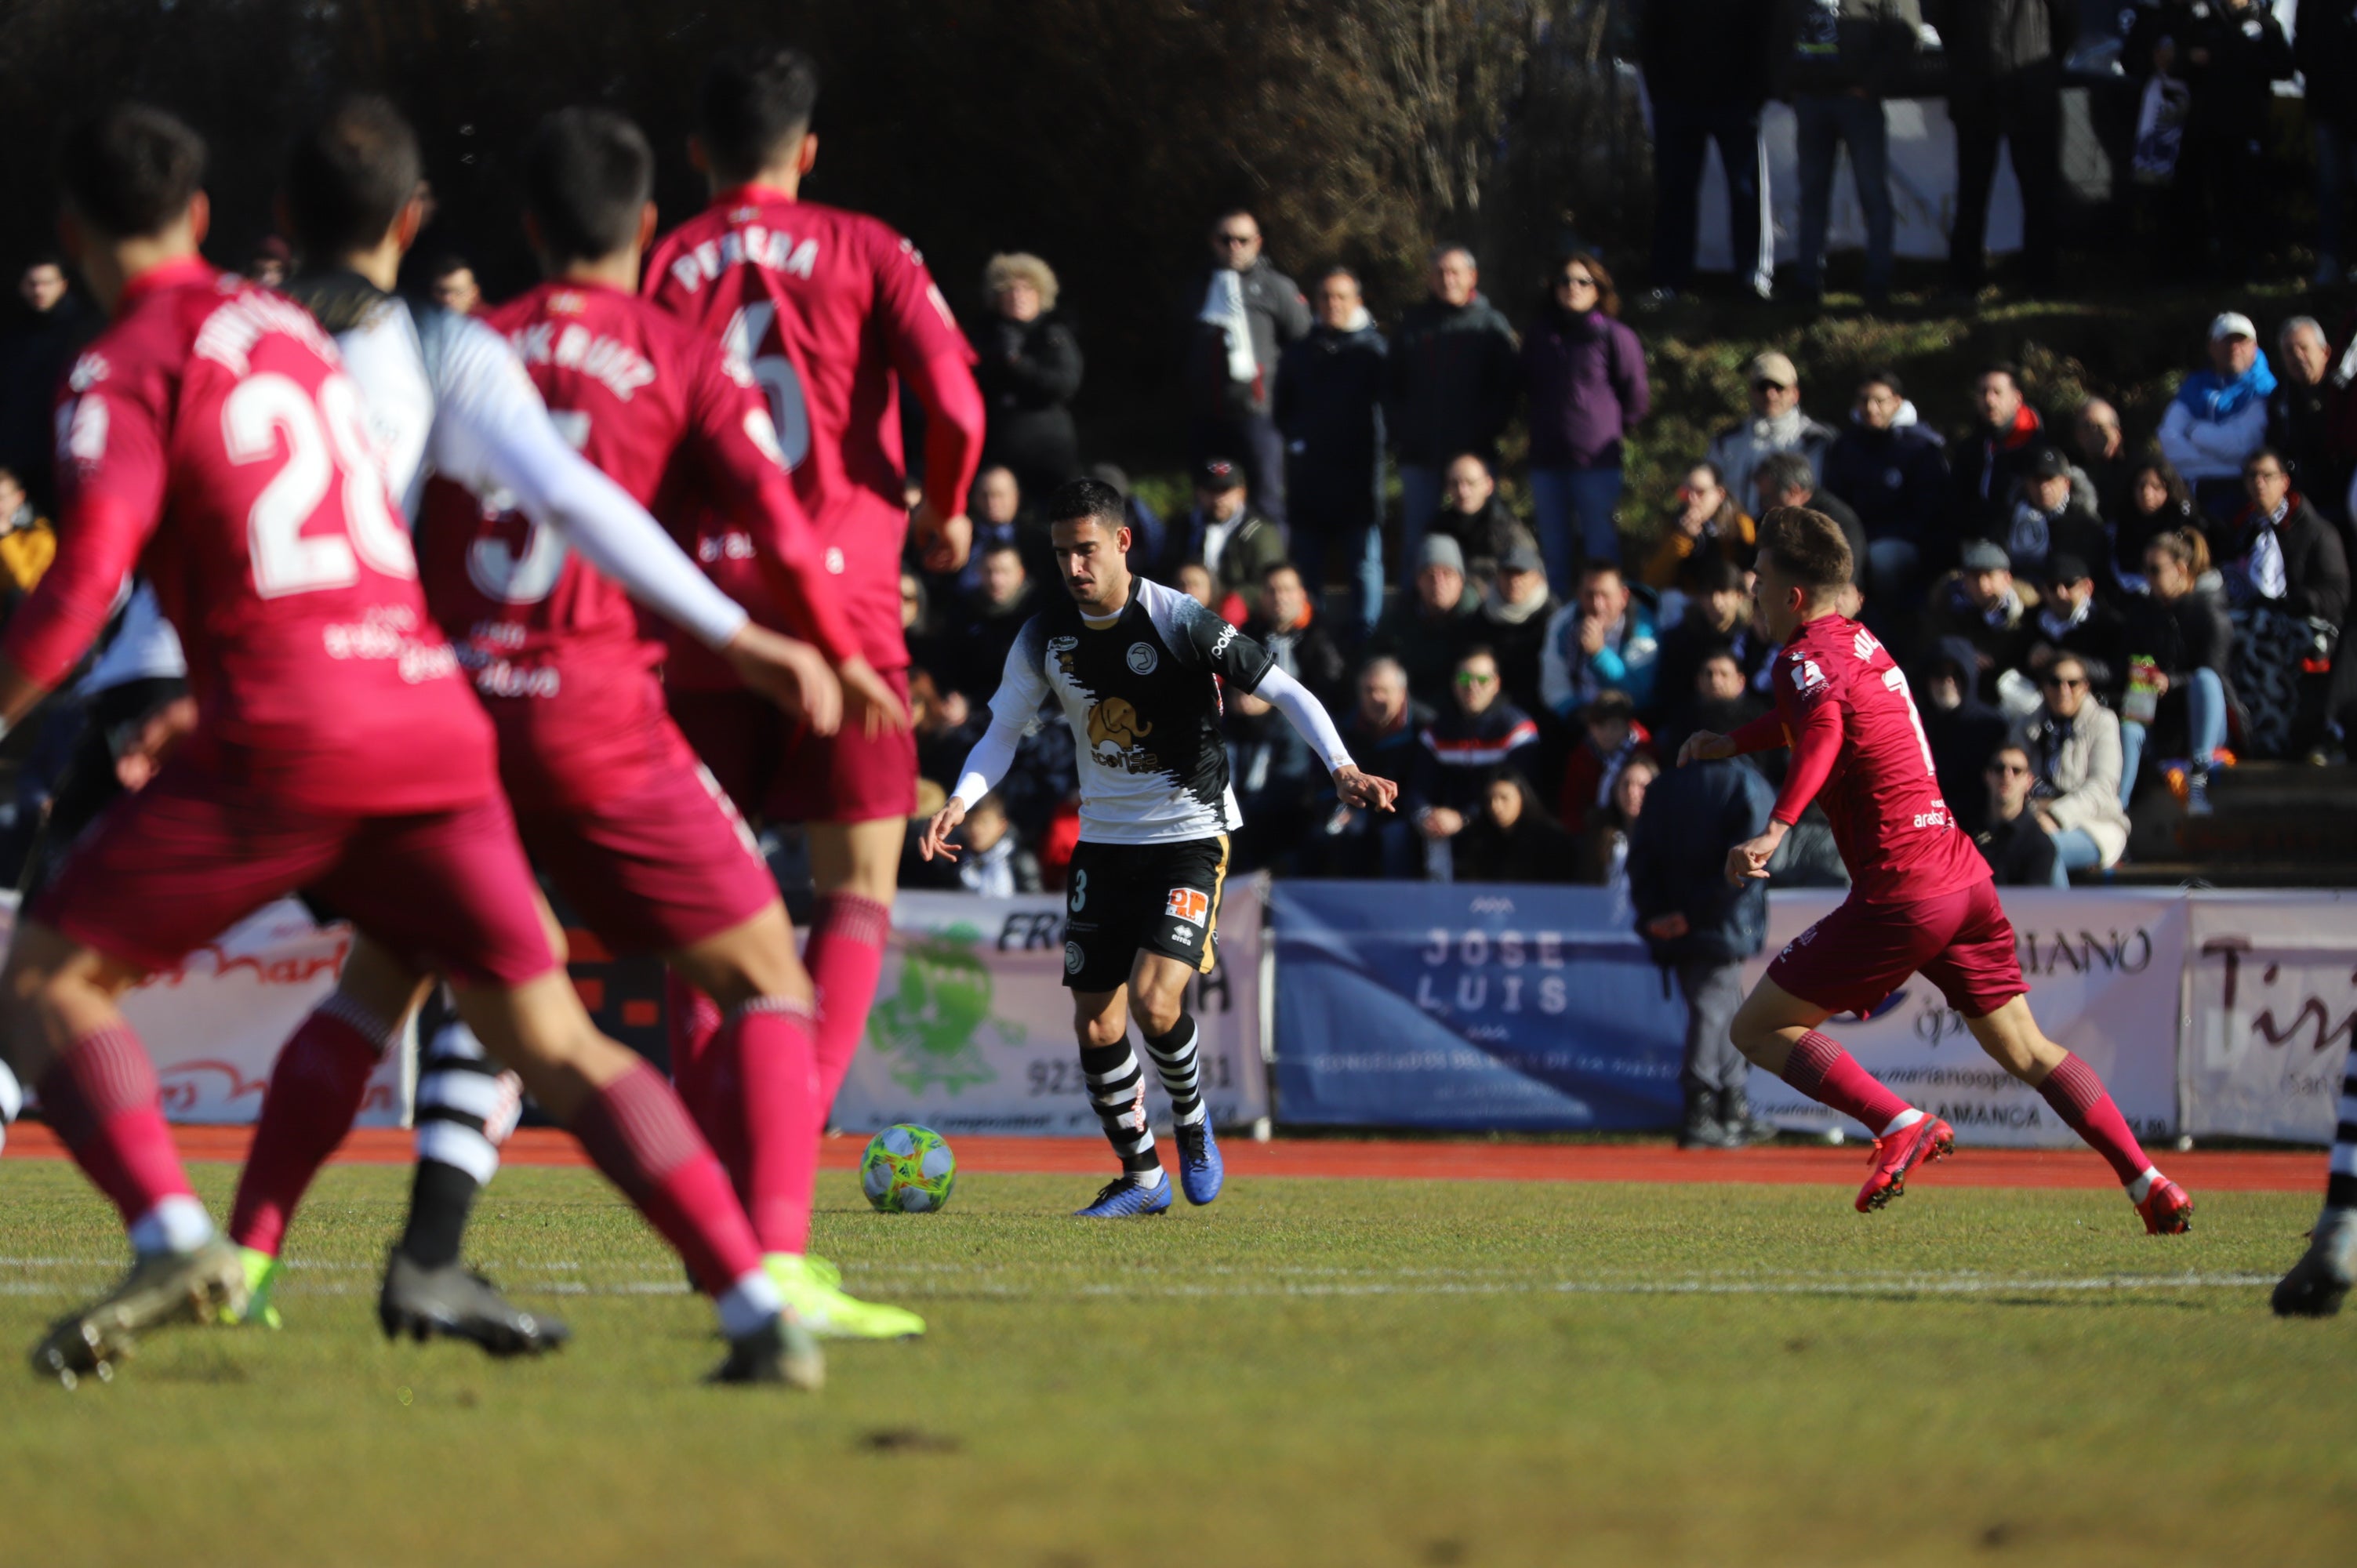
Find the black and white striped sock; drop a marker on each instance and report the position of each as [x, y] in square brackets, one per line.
[1117, 1090]
[465, 1108]
[2341, 1185]
[1176, 1060]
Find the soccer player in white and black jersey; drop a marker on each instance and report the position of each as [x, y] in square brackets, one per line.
[1137, 668]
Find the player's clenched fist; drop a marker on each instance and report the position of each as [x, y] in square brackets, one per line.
[1364, 790]
[1705, 746]
[1747, 861]
[942, 542]
[936, 841]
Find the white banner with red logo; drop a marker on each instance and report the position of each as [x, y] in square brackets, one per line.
[214, 1025]
[2271, 1001]
[2104, 968]
[971, 1030]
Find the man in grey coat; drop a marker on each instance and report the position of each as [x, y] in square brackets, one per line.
[1247, 313]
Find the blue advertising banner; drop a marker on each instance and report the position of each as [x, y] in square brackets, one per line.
[1465, 1005]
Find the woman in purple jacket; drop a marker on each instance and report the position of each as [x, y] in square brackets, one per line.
[1586, 375]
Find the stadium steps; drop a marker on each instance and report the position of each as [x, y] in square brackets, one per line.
[2273, 824]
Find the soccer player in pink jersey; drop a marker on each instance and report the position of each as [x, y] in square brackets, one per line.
[831, 310]
[212, 435]
[1920, 897]
[610, 801]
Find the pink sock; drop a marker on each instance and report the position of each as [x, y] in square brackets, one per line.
[763, 1081]
[639, 1135]
[2079, 1097]
[315, 1093]
[102, 1097]
[845, 956]
[1829, 1075]
[695, 1020]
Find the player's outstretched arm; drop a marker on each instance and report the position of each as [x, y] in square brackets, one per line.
[1308, 717]
[1021, 690]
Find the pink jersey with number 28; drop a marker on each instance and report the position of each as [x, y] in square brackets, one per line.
[210, 436]
[1858, 746]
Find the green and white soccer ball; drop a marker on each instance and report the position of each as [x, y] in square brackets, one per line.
[907, 1170]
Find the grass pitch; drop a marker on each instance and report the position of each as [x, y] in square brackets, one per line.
[1309, 1372]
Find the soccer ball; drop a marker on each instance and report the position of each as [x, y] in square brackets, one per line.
[907, 1170]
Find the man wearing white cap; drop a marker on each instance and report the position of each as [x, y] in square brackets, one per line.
[1777, 425]
[2219, 416]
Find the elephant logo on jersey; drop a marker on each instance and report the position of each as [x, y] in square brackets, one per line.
[929, 1029]
[1113, 723]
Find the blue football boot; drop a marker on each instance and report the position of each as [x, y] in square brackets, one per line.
[1201, 1169]
[1122, 1197]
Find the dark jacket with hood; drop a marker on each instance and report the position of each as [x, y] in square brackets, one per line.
[1329, 406]
[1677, 860]
[1454, 377]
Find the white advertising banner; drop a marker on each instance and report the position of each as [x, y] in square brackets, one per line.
[971, 1030]
[2271, 1000]
[2105, 970]
[214, 1025]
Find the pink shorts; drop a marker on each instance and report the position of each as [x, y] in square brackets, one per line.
[1856, 957]
[778, 771]
[659, 868]
[164, 871]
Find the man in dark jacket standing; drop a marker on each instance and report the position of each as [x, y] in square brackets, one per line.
[1701, 929]
[2324, 48]
[1706, 65]
[2005, 82]
[1455, 374]
[1895, 476]
[1330, 409]
[1841, 59]
[1249, 312]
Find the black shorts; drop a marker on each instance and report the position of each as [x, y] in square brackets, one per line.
[1127, 898]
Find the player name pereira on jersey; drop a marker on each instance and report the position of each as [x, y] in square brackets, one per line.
[1142, 698]
[1854, 730]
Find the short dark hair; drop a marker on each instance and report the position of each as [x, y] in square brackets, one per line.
[754, 101]
[1709, 572]
[1273, 567]
[587, 174]
[2005, 368]
[351, 174]
[2269, 454]
[130, 170]
[1475, 651]
[1785, 471]
[2012, 745]
[1078, 501]
[1601, 565]
[1808, 546]
[449, 264]
[1612, 703]
[1884, 376]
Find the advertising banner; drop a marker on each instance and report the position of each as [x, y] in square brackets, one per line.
[2103, 968]
[214, 1023]
[1413, 1004]
[2271, 999]
[972, 1031]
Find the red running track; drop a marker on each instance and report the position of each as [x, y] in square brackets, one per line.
[2201, 1171]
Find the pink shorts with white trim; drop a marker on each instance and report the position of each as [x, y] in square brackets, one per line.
[164, 871]
[659, 868]
[1856, 957]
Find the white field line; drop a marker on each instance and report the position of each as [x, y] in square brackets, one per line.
[931, 1283]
